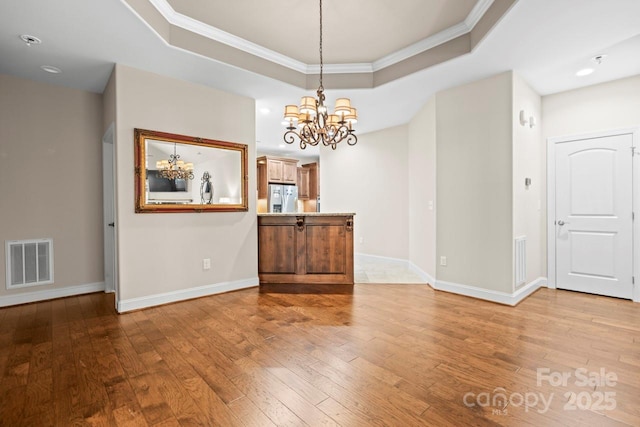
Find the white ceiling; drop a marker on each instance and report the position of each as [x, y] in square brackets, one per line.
[546, 41]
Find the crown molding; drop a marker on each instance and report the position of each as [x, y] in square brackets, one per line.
[364, 67]
[477, 13]
[212, 33]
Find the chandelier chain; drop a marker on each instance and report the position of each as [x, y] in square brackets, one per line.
[313, 119]
[321, 62]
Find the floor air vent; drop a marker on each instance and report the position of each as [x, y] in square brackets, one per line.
[29, 262]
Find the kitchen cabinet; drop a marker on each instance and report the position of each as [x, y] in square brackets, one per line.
[314, 180]
[304, 248]
[280, 170]
[303, 183]
[275, 170]
[309, 186]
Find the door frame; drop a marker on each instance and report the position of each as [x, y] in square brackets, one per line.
[108, 140]
[551, 200]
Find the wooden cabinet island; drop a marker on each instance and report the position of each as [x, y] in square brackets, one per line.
[305, 248]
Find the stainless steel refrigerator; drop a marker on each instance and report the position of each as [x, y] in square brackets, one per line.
[282, 198]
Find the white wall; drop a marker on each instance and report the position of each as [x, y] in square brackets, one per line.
[422, 188]
[371, 179]
[474, 184]
[51, 178]
[163, 252]
[612, 105]
[527, 163]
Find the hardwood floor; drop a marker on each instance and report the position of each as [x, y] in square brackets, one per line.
[397, 355]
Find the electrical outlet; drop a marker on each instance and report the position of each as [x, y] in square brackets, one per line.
[206, 263]
[443, 261]
[430, 205]
[361, 240]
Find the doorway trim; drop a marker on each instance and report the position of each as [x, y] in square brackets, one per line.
[108, 140]
[551, 200]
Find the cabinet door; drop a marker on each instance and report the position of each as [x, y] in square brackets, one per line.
[289, 172]
[303, 183]
[277, 248]
[274, 170]
[326, 249]
[262, 181]
[314, 187]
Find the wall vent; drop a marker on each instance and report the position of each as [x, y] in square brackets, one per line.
[29, 262]
[521, 260]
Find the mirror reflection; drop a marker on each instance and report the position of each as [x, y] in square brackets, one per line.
[178, 173]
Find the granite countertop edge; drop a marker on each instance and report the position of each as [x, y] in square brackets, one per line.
[309, 214]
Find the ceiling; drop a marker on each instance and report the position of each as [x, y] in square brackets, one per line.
[545, 41]
[291, 27]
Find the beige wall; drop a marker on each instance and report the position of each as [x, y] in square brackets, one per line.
[527, 163]
[422, 188]
[160, 253]
[51, 177]
[474, 183]
[109, 102]
[371, 179]
[612, 105]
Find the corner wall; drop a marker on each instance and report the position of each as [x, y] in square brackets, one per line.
[51, 182]
[160, 255]
[474, 184]
[371, 179]
[422, 189]
[527, 163]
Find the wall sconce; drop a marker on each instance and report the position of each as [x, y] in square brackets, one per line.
[524, 120]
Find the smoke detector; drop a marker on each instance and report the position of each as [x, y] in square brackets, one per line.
[598, 59]
[29, 40]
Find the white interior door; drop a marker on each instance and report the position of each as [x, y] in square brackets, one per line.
[594, 208]
[109, 211]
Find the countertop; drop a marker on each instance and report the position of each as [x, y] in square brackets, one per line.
[309, 214]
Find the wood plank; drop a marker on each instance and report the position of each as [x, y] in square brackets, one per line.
[380, 355]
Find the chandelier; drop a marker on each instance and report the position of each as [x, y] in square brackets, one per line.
[174, 168]
[314, 123]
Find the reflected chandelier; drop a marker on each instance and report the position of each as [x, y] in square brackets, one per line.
[314, 123]
[174, 168]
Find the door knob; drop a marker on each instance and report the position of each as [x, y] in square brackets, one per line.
[561, 223]
[112, 224]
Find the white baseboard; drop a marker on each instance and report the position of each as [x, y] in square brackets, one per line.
[185, 294]
[466, 290]
[423, 274]
[47, 294]
[372, 258]
[367, 257]
[489, 295]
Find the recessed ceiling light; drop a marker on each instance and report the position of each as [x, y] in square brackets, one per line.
[281, 146]
[29, 40]
[584, 72]
[51, 69]
[265, 110]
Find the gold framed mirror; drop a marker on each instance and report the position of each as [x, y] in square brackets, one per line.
[178, 173]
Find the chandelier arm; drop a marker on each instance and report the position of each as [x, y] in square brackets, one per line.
[352, 139]
[312, 134]
[290, 136]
